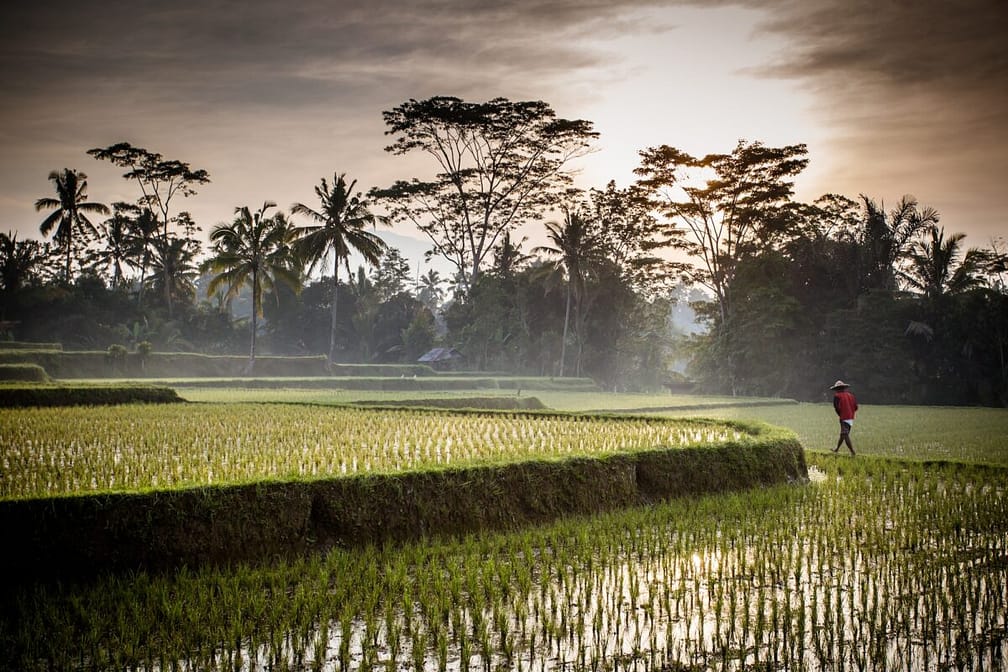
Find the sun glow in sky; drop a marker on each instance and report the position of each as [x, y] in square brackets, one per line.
[891, 98]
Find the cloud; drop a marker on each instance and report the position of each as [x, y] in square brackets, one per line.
[910, 93]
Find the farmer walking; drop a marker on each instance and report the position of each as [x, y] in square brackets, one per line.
[845, 406]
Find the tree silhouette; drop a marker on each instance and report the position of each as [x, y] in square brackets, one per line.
[935, 268]
[886, 239]
[114, 250]
[253, 250]
[576, 245]
[159, 179]
[338, 229]
[18, 260]
[173, 262]
[70, 207]
[499, 163]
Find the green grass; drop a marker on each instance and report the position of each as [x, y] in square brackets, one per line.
[904, 432]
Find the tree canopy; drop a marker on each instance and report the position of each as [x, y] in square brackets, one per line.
[499, 163]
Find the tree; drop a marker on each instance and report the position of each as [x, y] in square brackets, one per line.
[733, 213]
[723, 209]
[392, 274]
[429, 290]
[577, 246]
[338, 229]
[500, 163]
[19, 260]
[631, 236]
[253, 250]
[143, 230]
[173, 262]
[934, 266]
[160, 180]
[70, 207]
[886, 239]
[115, 243]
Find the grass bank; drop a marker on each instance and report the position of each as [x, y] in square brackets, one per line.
[83, 535]
[14, 395]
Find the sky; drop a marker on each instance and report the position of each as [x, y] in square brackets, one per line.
[892, 97]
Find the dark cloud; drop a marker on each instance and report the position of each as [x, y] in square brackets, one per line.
[256, 85]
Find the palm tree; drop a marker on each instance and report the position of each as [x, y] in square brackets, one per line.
[429, 289]
[174, 269]
[886, 240]
[935, 269]
[115, 240]
[254, 250]
[143, 231]
[338, 229]
[18, 260]
[70, 211]
[577, 247]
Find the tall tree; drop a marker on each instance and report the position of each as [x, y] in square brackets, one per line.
[499, 164]
[339, 228]
[632, 236]
[935, 268]
[254, 250]
[173, 262]
[19, 260]
[143, 232]
[160, 181]
[70, 210]
[723, 209]
[392, 275]
[114, 251]
[430, 291]
[737, 209]
[887, 238]
[577, 246]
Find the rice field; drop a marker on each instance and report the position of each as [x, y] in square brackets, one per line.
[877, 567]
[882, 562]
[74, 450]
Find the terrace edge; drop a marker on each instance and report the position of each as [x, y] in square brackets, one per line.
[80, 537]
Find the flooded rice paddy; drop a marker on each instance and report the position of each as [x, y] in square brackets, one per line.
[875, 565]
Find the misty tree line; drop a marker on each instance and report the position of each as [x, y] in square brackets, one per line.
[795, 294]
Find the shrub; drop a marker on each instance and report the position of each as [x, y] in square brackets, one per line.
[23, 372]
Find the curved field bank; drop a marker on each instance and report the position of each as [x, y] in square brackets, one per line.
[508, 470]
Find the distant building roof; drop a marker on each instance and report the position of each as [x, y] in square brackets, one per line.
[440, 355]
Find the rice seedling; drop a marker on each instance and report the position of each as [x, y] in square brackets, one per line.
[47, 452]
[879, 565]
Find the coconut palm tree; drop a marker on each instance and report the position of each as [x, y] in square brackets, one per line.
[114, 252]
[429, 289]
[253, 250]
[577, 248]
[19, 260]
[70, 207]
[886, 239]
[174, 270]
[338, 228]
[935, 269]
[143, 231]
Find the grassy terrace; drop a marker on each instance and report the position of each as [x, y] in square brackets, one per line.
[60, 451]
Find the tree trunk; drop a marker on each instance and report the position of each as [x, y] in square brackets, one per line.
[332, 316]
[255, 323]
[563, 341]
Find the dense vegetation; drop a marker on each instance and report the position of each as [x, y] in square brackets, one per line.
[790, 295]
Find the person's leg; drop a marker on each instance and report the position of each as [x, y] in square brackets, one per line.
[840, 440]
[845, 436]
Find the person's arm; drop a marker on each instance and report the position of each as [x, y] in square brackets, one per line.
[836, 403]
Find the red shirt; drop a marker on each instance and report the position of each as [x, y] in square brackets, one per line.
[845, 405]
